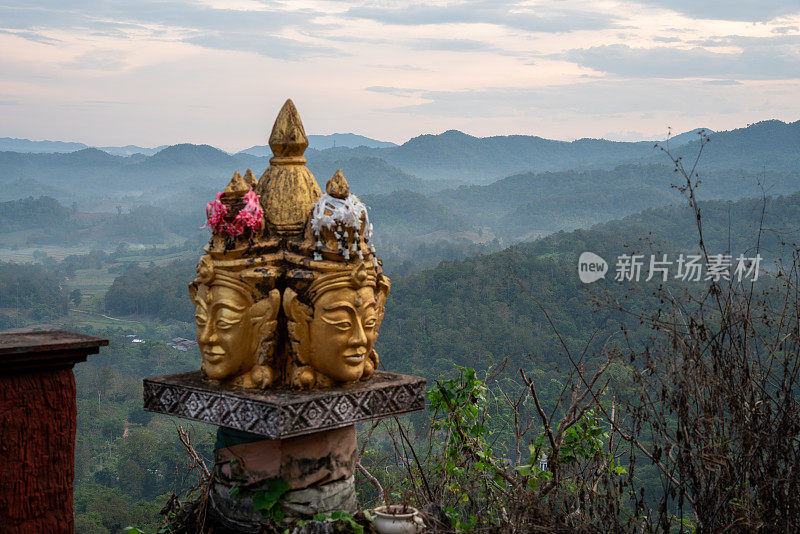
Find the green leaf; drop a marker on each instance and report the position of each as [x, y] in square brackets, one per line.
[277, 513]
[274, 488]
[266, 500]
[261, 502]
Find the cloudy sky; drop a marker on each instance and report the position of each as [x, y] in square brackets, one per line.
[216, 71]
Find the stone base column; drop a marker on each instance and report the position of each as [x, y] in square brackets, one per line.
[317, 467]
[305, 438]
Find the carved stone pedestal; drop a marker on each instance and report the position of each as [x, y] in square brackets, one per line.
[310, 439]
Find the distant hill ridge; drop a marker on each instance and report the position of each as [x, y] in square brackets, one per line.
[324, 142]
[317, 142]
[602, 179]
[456, 157]
[11, 144]
[186, 153]
[770, 145]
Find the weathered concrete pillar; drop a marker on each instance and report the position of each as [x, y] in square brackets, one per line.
[318, 469]
[37, 428]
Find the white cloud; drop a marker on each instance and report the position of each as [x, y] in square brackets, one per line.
[744, 10]
[216, 71]
[755, 62]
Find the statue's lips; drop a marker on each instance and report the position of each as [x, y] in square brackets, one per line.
[356, 358]
[213, 357]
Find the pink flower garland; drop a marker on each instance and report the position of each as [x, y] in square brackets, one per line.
[251, 213]
[216, 212]
[250, 216]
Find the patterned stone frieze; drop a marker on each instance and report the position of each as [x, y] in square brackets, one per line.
[278, 414]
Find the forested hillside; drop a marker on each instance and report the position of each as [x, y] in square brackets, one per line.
[770, 145]
[772, 222]
[154, 291]
[32, 213]
[31, 222]
[128, 461]
[176, 169]
[29, 291]
[368, 175]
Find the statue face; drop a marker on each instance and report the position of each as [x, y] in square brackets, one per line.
[227, 338]
[343, 332]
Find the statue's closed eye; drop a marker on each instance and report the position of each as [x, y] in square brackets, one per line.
[228, 320]
[224, 324]
[343, 325]
[339, 319]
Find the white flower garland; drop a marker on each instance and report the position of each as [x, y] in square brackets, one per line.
[345, 217]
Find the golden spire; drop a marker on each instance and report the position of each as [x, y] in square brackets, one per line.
[337, 186]
[239, 185]
[249, 179]
[287, 188]
[288, 138]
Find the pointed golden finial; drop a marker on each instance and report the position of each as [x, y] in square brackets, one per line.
[337, 186]
[288, 138]
[249, 179]
[287, 188]
[237, 185]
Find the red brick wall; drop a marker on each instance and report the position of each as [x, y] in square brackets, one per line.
[37, 449]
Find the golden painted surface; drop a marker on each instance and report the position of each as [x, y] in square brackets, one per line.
[230, 331]
[287, 188]
[241, 184]
[333, 338]
[337, 186]
[299, 302]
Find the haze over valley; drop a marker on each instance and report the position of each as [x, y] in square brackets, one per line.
[448, 187]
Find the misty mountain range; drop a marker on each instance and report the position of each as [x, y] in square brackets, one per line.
[319, 142]
[459, 187]
[316, 142]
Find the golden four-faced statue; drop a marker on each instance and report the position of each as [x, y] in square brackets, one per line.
[289, 292]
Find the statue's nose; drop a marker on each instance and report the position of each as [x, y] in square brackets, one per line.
[359, 337]
[207, 333]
